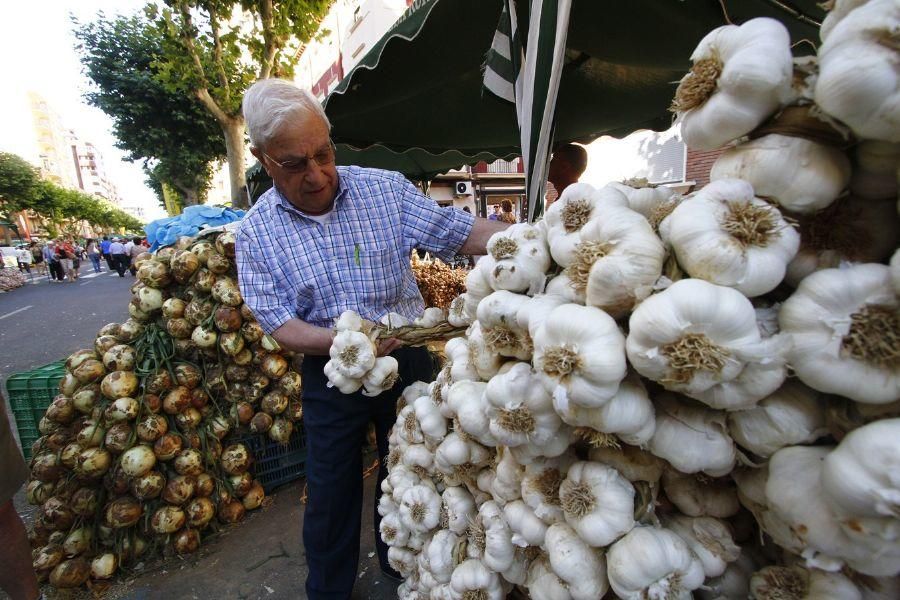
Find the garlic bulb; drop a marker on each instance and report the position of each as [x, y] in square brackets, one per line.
[802, 176]
[616, 262]
[839, 10]
[348, 321]
[775, 583]
[741, 74]
[577, 564]
[459, 360]
[346, 385]
[733, 584]
[597, 502]
[709, 539]
[439, 553]
[394, 320]
[543, 583]
[457, 314]
[692, 437]
[466, 399]
[726, 235]
[792, 415]
[845, 324]
[858, 82]
[499, 551]
[568, 215]
[520, 409]
[643, 197]
[651, 563]
[382, 376]
[533, 312]
[699, 496]
[875, 175]
[402, 560]
[459, 507]
[472, 579]
[432, 317]
[850, 230]
[527, 528]
[517, 259]
[352, 353]
[485, 361]
[500, 328]
[478, 285]
[431, 423]
[702, 340]
[420, 509]
[393, 532]
[506, 485]
[632, 462]
[540, 486]
[579, 355]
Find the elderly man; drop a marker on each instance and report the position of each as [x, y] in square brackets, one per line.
[323, 240]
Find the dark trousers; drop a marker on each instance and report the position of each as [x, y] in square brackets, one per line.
[109, 263]
[336, 427]
[56, 270]
[117, 262]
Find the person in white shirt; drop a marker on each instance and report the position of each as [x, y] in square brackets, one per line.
[117, 256]
[23, 256]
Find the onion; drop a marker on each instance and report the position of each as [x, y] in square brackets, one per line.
[186, 541]
[61, 410]
[188, 375]
[295, 411]
[140, 258]
[119, 384]
[47, 557]
[46, 426]
[104, 566]
[291, 383]
[77, 542]
[93, 462]
[123, 512]
[38, 492]
[70, 573]
[231, 343]
[149, 299]
[68, 385]
[164, 255]
[203, 250]
[206, 485]
[148, 486]
[152, 428]
[118, 437]
[227, 319]
[281, 430]
[235, 459]
[244, 357]
[119, 358]
[261, 423]
[199, 398]
[179, 328]
[225, 244]
[89, 371]
[57, 514]
[84, 501]
[91, 435]
[176, 400]
[116, 481]
[184, 265]
[241, 483]
[200, 511]
[218, 264]
[104, 343]
[219, 426]
[231, 511]
[226, 291]
[154, 273]
[204, 280]
[138, 460]
[152, 403]
[253, 499]
[158, 382]
[252, 331]
[86, 398]
[56, 538]
[173, 308]
[168, 446]
[270, 344]
[132, 548]
[168, 519]
[179, 489]
[130, 330]
[204, 337]
[189, 462]
[109, 329]
[137, 314]
[188, 419]
[274, 403]
[236, 373]
[122, 409]
[244, 413]
[274, 366]
[78, 357]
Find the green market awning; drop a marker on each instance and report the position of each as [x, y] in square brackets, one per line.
[418, 92]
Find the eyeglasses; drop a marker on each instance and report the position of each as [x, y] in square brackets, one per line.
[324, 157]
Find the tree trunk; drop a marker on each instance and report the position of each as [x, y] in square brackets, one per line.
[234, 147]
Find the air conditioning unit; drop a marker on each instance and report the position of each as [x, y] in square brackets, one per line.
[462, 188]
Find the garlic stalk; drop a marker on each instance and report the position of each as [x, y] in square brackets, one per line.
[598, 502]
[703, 340]
[726, 235]
[739, 77]
[845, 324]
[653, 564]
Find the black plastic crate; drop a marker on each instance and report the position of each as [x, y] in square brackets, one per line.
[276, 464]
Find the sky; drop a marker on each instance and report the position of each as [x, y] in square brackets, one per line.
[37, 53]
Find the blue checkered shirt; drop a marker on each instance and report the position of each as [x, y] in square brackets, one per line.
[291, 266]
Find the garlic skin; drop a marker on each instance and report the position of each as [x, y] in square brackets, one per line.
[727, 236]
[741, 74]
[837, 318]
[697, 323]
[632, 462]
[875, 175]
[802, 176]
[695, 498]
[579, 354]
[653, 563]
[517, 259]
[792, 415]
[576, 563]
[617, 260]
[568, 215]
[858, 81]
[709, 539]
[774, 583]
[598, 503]
[692, 437]
[839, 10]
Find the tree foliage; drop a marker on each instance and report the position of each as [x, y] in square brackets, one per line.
[214, 49]
[18, 184]
[173, 134]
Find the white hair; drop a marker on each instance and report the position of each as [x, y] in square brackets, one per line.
[269, 103]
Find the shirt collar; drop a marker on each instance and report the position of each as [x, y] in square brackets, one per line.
[339, 197]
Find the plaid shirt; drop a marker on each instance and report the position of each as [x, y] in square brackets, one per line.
[291, 266]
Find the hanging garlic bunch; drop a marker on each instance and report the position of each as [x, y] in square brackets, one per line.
[352, 356]
[702, 340]
[517, 259]
[578, 353]
[740, 75]
[615, 263]
[845, 324]
[570, 213]
[801, 175]
[858, 82]
[726, 235]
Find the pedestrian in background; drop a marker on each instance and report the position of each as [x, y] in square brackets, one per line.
[117, 256]
[37, 257]
[104, 250]
[136, 250]
[506, 214]
[54, 269]
[23, 257]
[65, 254]
[76, 261]
[93, 253]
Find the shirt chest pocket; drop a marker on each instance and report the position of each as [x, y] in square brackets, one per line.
[373, 275]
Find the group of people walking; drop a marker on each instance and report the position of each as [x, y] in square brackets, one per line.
[61, 259]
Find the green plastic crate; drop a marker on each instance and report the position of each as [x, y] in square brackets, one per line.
[30, 393]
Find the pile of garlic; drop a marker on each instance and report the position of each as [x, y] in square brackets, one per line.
[653, 397]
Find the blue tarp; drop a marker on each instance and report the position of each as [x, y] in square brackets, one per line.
[164, 232]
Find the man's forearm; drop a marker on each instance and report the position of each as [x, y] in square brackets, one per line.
[483, 229]
[300, 336]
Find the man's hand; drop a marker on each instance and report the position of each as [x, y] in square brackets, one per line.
[388, 345]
